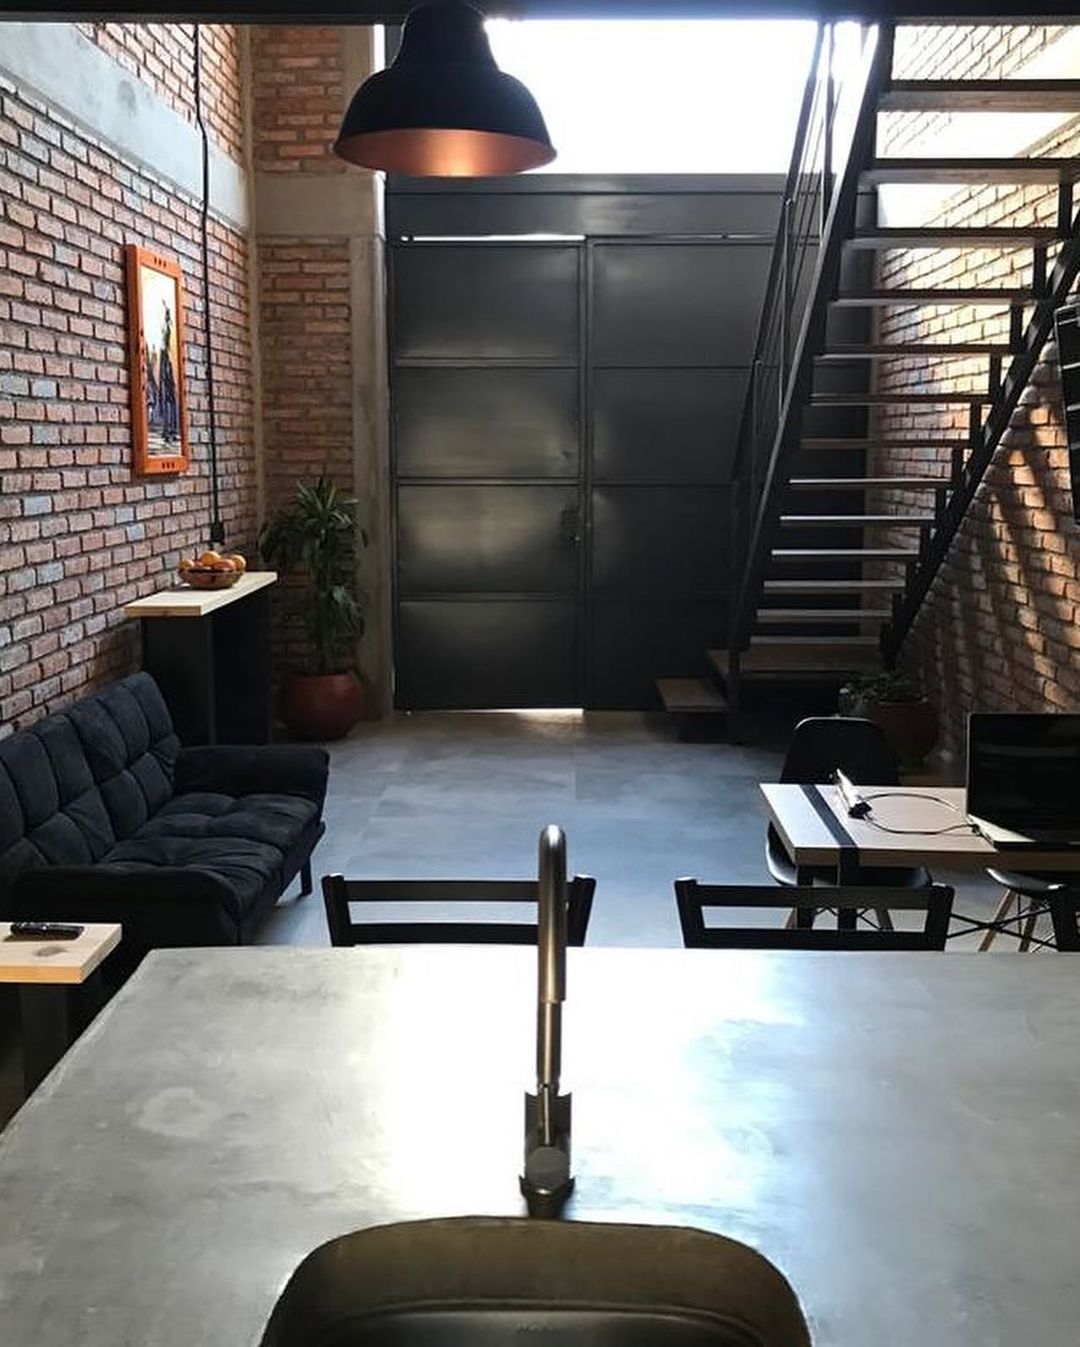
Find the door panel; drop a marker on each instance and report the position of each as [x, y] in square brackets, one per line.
[629, 641]
[488, 539]
[486, 301]
[486, 422]
[661, 540]
[489, 653]
[659, 304]
[670, 425]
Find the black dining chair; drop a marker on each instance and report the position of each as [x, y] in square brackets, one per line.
[820, 745]
[1063, 903]
[693, 898]
[339, 894]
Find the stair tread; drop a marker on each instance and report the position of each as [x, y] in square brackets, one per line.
[820, 614]
[849, 483]
[695, 696]
[794, 657]
[828, 586]
[967, 169]
[885, 399]
[812, 520]
[815, 445]
[945, 296]
[843, 553]
[1008, 95]
[887, 350]
[952, 236]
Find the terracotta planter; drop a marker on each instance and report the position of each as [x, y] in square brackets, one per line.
[321, 706]
[910, 727]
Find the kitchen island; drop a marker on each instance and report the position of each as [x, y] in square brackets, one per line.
[896, 1132]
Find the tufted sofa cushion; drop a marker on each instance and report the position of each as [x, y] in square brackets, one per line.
[78, 782]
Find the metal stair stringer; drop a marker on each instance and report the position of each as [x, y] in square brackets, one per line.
[920, 578]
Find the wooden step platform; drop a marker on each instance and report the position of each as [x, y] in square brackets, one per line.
[774, 616]
[973, 171]
[914, 237]
[868, 483]
[801, 658]
[896, 399]
[843, 554]
[1019, 95]
[817, 445]
[691, 696]
[779, 586]
[855, 520]
[990, 298]
[838, 354]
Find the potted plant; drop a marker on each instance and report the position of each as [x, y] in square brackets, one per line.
[894, 700]
[316, 536]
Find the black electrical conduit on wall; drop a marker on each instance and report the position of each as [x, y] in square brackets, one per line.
[217, 527]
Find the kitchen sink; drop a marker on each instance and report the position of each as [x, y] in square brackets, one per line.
[488, 1281]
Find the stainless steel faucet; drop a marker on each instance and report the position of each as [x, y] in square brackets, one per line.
[547, 1181]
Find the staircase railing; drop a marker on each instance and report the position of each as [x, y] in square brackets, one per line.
[968, 474]
[834, 142]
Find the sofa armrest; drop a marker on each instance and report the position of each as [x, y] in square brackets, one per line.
[254, 769]
[159, 906]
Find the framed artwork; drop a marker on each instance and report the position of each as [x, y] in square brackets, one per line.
[155, 296]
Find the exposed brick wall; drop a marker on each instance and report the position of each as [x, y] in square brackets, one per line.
[307, 375]
[163, 57]
[298, 90]
[999, 630]
[79, 533]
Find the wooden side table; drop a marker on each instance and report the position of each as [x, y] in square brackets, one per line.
[48, 974]
[209, 650]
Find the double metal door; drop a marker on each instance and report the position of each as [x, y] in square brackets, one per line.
[564, 417]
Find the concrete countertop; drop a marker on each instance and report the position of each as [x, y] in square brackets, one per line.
[898, 1133]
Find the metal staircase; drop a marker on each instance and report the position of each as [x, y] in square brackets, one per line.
[831, 585]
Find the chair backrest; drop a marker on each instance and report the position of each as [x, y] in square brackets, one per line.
[339, 893]
[692, 898]
[858, 747]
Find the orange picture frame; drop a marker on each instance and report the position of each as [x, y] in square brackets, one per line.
[155, 300]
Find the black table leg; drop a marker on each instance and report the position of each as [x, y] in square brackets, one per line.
[53, 1016]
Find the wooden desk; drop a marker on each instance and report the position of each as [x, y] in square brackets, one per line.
[209, 650]
[813, 824]
[46, 973]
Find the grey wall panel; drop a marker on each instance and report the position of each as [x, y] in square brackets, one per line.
[676, 303]
[486, 301]
[666, 425]
[485, 422]
[631, 644]
[487, 539]
[661, 540]
[487, 653]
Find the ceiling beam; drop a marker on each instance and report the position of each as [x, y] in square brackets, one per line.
[301, 12]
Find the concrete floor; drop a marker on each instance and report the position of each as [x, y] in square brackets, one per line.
[464, 795]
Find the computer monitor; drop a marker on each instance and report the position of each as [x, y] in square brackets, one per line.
[1023, 771]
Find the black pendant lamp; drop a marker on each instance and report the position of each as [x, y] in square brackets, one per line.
[444, 108]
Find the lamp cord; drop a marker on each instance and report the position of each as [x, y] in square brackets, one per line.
[217, 527]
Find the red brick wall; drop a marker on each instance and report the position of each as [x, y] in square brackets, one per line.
[79, 533]
[999, 630]
[163, 57]
[298, 93]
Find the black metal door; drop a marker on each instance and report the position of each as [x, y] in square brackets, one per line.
[488, 474]
[565, 416]
[671, 334]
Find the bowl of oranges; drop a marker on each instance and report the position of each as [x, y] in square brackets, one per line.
[212, 570]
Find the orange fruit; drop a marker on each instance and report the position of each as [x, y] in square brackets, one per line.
[186, 564]
[239, 562]
[224, 564]
[209, 558]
